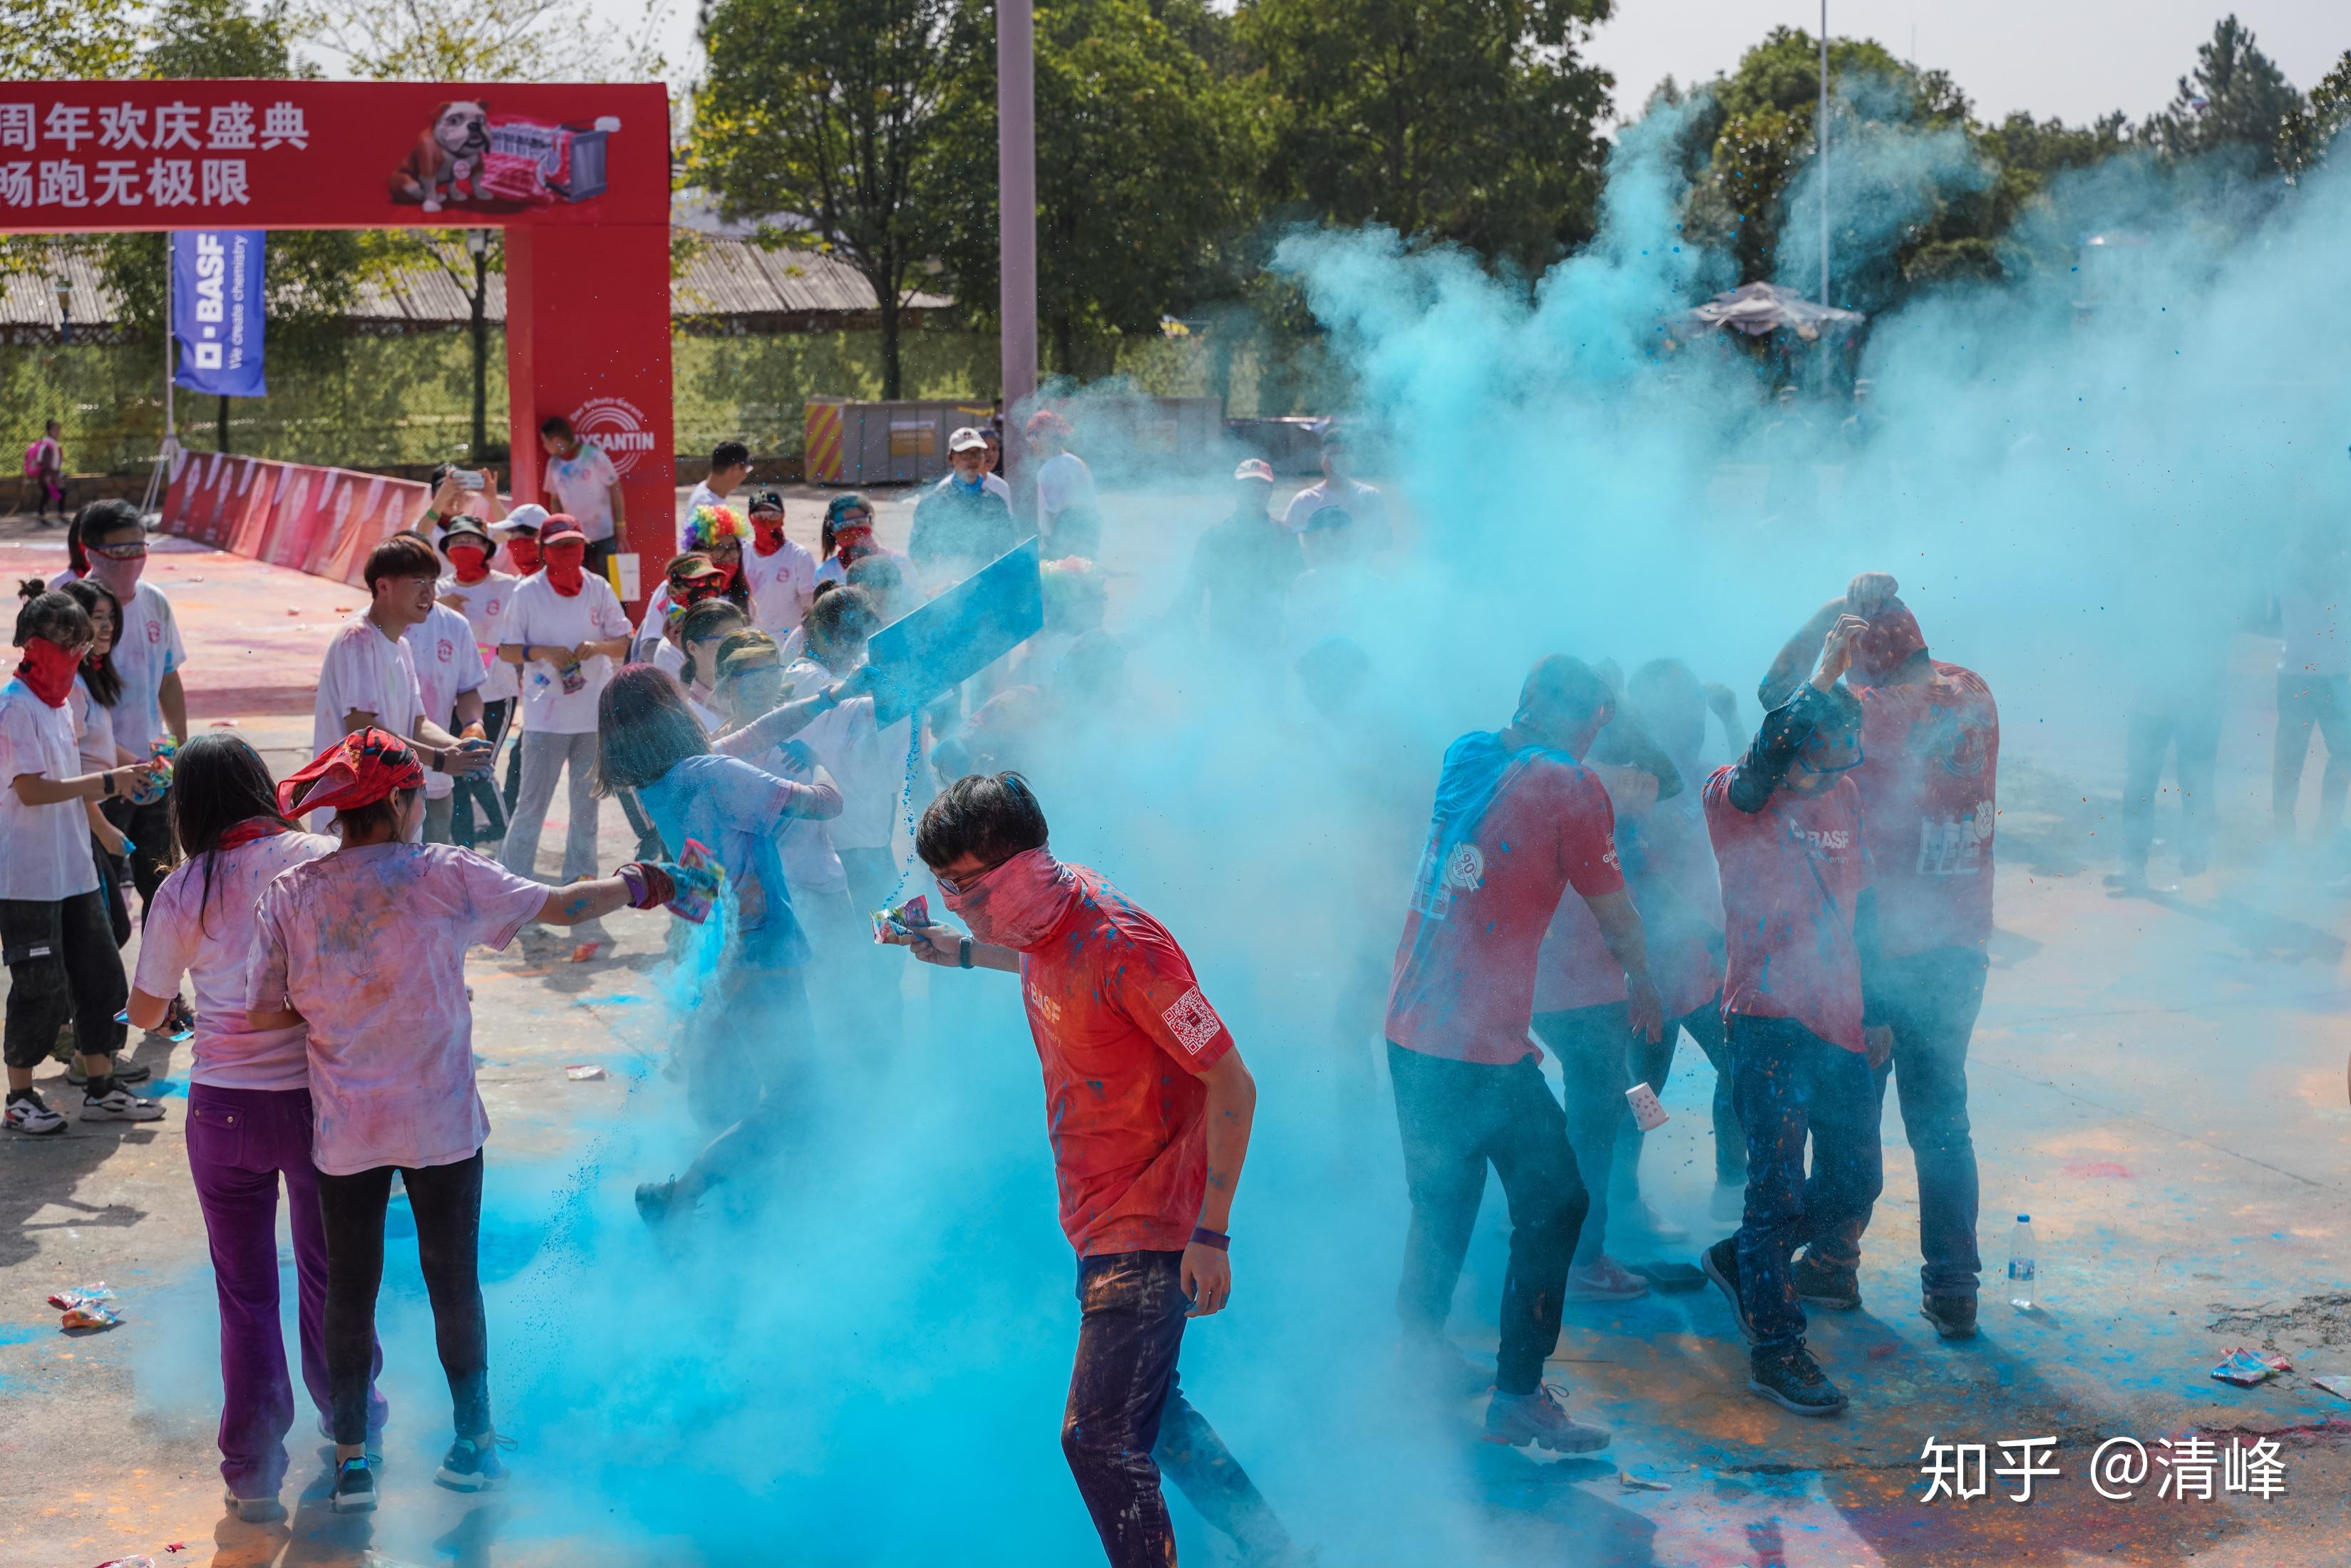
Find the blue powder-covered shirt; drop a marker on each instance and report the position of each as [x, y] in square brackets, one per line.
[734, 811]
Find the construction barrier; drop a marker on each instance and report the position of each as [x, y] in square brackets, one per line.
[323, 521]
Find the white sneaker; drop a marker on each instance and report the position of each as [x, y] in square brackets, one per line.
[1605, 1279]
[119, 1104]
[28, 1112]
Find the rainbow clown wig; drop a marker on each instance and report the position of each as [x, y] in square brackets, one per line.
[710, 524]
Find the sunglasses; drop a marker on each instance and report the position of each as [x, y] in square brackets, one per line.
[119, 552]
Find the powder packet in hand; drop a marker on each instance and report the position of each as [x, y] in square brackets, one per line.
[910, 915]
[698, 878]
[575, 679]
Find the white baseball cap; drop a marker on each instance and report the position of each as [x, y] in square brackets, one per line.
[966, 439]
[530, 516]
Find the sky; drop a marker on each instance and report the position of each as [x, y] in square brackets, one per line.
[2075, 59]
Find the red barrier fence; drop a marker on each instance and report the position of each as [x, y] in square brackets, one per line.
[323, 521]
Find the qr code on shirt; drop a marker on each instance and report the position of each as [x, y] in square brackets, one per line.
[1193, 1021]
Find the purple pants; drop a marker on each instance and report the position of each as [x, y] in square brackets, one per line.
[240, 1141]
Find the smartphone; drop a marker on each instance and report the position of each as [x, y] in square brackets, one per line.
[471, 479]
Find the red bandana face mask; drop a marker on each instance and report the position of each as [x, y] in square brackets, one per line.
[524, 553]
[47, 670]
[725, 578]
[564, 559]
[471, 565]
[1892, 641]
[1015, 905]
[768, 532]
[854, 545]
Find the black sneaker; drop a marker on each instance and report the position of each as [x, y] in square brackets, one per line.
[1823, 1284]
[124, 1073]
[468, 1468]
[1788, 1377]
[354, 1486]
[1954, 1317]
[1721, 1262]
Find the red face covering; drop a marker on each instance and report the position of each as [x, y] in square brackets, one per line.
[725, 578]
[1018, 904]
[524, 553]
[854, 545]
[472, 564]
[766, 532]
[1892, 641]
[563, 559]
[47, 670]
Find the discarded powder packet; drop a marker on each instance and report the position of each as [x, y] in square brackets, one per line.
[90, 1317]
[1632, 1482]
[583, 1072]
[698, 880]
[87, 1296]
[1648, 1114]
[2246, 1368]
[911, 916]
[141, 1561]
[2335, 1383]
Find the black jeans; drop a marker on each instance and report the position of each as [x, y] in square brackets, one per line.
[1794, 1085]
[62, 963]
[1127, 1419]
[1593, 1046]
[446, 1201]
[1456, 1118]
[1654, 1065]
[479, 792]
[2188, 725]
[1931, 999]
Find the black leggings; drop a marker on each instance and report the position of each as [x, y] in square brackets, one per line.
[446, 1201]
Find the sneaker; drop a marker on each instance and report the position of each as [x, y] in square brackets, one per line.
[657, 1203]
[1540, 1419]
[1728, 1202]
[1638, 1215]
[1605, 1279]
[1433, 1363]
[1954, 1317]
[1721, 1262]
[254, 1509]
[354, 1486]
[466, 1467]
[119, 1104]
[28, 1112]
[1788, 1377]
[124, 1073]
[1820, 1283]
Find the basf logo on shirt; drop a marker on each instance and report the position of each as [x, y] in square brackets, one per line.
[617, 426]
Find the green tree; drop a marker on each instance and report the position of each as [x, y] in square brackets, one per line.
[1143, 171]
[69, 40]
[2236, 97]
[1470, 121]
[821, 118]
[2304, 135]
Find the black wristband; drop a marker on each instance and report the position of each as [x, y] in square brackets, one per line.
[440, 758]
[1204, 1237]
[963, 953]
[107, 783]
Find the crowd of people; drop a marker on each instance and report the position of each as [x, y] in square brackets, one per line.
[1813, 916]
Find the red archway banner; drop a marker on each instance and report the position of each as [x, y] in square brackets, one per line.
[577, 174]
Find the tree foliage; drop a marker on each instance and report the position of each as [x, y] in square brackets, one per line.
[824, 119]
[2305, 134]
[1471, 121]
[2235, 100]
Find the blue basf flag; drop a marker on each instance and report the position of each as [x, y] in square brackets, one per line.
[218, 310]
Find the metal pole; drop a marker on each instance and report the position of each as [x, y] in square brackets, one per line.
[172, 320]
[1016, 181]
[1824, 139]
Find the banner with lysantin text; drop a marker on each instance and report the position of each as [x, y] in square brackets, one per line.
[216, 282]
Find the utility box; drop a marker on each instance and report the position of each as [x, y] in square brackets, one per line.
[899, 443]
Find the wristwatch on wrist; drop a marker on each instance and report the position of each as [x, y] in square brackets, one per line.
[963, 953]
[440, 759]
[107, 782]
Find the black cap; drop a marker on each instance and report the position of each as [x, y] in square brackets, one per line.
[468, 528]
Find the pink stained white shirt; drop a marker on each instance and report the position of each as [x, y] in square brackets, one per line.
[782, 586]
[448, 664]
[200, 924]
[369, 946]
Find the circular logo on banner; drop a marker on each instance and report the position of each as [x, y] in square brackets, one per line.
[617, 426]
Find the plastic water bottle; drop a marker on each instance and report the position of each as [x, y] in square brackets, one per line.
[2021, 1254]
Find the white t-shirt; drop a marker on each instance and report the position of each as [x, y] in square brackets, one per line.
[648, 634]
[369, 946]
[441, 647]
[483, 606]
[146, 649]
[833, 571]
[93, 729]
[1361, 502]
[782, 586]
[365, 672]
[44, 849]
[214, 943]
[583, 485]
[995, 485]
[1062, 482]
[869, 765]
[540, 616]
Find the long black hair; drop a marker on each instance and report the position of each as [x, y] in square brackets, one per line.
[217, 782]
[47, 613]
[643, 728]
[97, 672]
[711, 617]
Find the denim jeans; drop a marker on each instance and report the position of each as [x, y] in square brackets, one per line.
[1127, 1419]
[2188, 726]
[241, 1144]
[1456, 1118]
[1593, 1046]
[1792, 1085]
[1931, 999]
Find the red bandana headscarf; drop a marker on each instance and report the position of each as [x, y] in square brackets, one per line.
[358, 770]
[47, 670]
[1892, 641]
[1018, 904]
